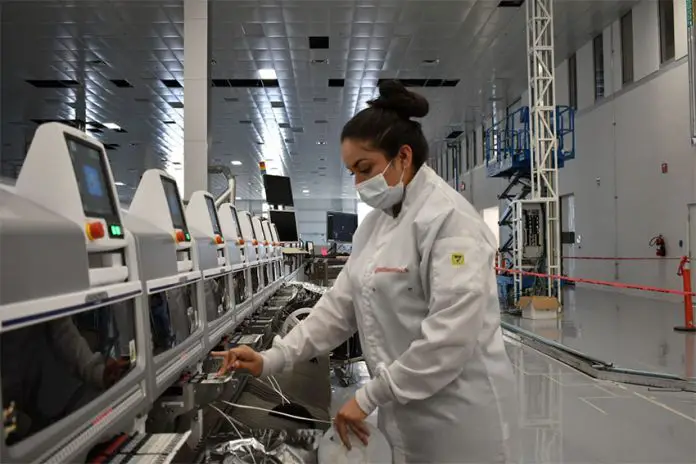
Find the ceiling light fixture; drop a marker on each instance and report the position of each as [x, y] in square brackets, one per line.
[267, 74]
[236, 163]
[119, 184]
[305, 191]
[112, 126]
[237, 198]
[321, 142]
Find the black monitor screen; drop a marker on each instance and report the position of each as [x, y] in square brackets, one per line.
[286, 225]
[213, 215]
[174, 201]
[235, 218]
[91, 172]
[340, 227]
[278, 190]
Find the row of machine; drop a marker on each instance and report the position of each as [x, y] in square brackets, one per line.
[107, 315]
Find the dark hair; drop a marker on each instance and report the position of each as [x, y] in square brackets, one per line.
[387, 126]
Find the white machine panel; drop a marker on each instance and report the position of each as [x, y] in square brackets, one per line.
[248, 235]
[67, 172]
[261, 242]
[202, 216]
[232, 233]
[157, 188]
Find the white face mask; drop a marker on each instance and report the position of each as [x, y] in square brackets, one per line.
[375, 192]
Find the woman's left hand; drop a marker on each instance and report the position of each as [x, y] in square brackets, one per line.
[351, 417]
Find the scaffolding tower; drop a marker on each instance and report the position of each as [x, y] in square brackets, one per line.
[543, 142]
[528, 147]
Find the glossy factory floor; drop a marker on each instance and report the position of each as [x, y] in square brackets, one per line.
[567, 417]
[629, 331]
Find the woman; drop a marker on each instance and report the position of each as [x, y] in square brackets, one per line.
[420, 288]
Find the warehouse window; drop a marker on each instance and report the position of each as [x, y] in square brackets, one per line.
[598, 51]
[627, 47]
[666, 10]
[573, 82]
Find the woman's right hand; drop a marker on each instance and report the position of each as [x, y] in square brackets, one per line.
[241, 357]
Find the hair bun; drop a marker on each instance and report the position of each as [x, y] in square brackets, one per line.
[393, 96]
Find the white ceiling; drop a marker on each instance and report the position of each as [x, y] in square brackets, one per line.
[141, 41]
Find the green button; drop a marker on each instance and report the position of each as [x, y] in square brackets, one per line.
[116, 230]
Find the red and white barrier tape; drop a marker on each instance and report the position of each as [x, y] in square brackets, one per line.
[597, 282]
[606, 258]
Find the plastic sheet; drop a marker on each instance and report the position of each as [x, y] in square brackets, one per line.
[268, 446]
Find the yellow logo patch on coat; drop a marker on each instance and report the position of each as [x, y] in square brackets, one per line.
[457, 259]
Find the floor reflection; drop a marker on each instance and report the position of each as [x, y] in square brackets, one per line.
[629, 331]
[567, 417]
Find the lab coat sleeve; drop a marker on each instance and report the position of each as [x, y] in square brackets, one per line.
[458, 276]
[331, 322]
[75, 352]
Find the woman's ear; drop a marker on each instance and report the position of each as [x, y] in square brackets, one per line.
[406, 156]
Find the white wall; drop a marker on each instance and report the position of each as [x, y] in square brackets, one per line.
[621, 197]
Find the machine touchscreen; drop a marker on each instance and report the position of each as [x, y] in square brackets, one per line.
[174, 202]
[96, 194]
[213, 215]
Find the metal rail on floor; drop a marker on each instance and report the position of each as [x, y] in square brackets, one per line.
[596, 368]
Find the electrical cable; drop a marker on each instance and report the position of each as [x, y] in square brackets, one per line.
[256, 408]
[241, 437]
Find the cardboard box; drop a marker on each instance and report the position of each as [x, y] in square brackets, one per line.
[539, 307]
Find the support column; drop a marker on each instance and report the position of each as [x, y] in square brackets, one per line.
[543, 141]
[196, 95]
[691, 48]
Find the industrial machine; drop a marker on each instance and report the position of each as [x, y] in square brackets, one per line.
[173, 280]
[275, 251]
[74, 358]
[254, 255]
[203, 218]
[239, 251]
[266, 249]
[107, 315]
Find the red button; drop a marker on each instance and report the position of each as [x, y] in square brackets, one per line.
[180, 237]
[218, 239]
[95, 230]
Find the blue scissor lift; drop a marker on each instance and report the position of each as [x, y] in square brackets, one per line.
[508, 156]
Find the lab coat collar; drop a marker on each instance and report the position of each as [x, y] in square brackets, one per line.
[412, 191]
[416, 187]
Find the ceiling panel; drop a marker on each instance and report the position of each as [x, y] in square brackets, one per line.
[98, 42]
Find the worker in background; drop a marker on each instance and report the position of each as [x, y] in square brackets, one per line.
[420, 288]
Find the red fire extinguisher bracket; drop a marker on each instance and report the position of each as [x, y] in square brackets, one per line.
[658, 242]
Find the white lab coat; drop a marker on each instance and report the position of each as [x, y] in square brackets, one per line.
[421, 290]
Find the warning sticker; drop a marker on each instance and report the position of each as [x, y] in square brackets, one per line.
[133, 353]
[457, 259]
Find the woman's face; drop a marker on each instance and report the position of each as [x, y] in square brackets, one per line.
[364, 162]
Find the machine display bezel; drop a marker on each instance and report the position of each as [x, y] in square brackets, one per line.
[170, 188]
[235, 217]
[112, 218]
[212, 212]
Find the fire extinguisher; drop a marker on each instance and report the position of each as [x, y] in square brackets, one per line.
[659, 243]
